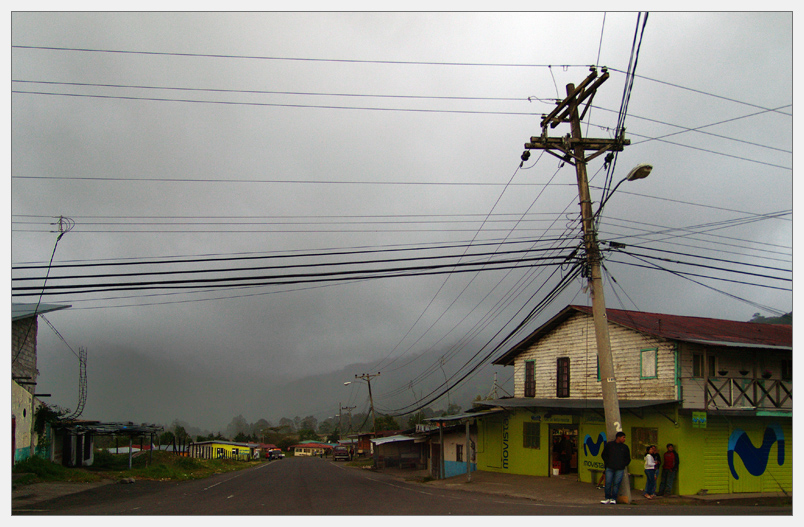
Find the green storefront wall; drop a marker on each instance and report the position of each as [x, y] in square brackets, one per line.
[721, 454]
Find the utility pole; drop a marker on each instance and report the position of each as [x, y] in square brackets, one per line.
[573, 149]
[367, 377]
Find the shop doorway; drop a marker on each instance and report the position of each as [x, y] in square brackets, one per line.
[564, 449]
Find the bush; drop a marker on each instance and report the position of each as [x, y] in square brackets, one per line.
[43, 469]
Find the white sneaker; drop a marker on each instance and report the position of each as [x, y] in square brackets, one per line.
[605, 502]
[612, 502]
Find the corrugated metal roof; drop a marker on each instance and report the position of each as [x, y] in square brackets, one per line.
[711, 331]
[21, 311]
[392, 439]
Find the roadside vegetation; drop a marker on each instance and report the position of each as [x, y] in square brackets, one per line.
[164, 466]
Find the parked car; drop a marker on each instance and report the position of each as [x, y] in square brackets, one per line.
[275, 454]
[341, 452]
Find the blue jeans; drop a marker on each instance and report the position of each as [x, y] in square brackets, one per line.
[650, 481]
[613, 480]
[666, 486]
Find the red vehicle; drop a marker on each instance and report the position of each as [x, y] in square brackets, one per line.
[341, 452]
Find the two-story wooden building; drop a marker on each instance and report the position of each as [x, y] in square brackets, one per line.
[721, 391]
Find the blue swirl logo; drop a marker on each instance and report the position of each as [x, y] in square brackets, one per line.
[594, 448]
[756, 459]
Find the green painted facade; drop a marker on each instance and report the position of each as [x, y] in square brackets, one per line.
[728, 455]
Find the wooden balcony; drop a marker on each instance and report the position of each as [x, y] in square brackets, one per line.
[729, 393]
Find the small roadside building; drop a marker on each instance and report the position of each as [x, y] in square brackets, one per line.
[401, 450]
[311, 448]
[720, 391]
[224, 450]
[25, 440]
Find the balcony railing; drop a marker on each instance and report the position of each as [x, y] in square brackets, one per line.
[748, 393]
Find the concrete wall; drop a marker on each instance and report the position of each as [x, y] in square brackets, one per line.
[729, 455]
[23, 410]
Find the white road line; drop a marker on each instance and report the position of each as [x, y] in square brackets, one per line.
[224, 481]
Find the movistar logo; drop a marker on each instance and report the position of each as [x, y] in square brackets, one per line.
[594, 448]
[755, 459]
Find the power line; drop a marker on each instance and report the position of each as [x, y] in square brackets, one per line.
[273, 105]
[359, 61]
[296, 278]
[289, 181]
[296, 59]
[287, 266]
[273, 92]
[288, 254]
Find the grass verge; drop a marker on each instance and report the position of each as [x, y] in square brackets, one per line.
[163, 466]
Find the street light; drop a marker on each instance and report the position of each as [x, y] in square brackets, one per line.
[640, 171]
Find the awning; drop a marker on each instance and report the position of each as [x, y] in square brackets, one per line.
[465, 415]
[21, 311]
[391, 439]
[570, 404]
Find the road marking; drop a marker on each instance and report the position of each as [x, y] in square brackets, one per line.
[224, 481]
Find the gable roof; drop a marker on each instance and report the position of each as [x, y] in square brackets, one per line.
[711, 331]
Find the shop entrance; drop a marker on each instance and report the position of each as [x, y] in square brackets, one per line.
[564, 449]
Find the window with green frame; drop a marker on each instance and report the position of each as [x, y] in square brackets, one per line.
[531, 434]
[649, 363]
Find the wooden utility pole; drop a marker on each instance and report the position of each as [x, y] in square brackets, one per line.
[367, 377]
[573, 149]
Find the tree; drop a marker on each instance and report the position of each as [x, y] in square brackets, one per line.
[334, 437]
[305, 434]
[166, 438]
[787, 318]
[309, 423]
[415, 419]
[238, 425]
[386, 422]
[260, 428]
[452, 409]
[179, 432]
[325, 427]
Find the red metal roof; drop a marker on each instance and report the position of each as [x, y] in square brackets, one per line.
[671, 327]
[675, 327]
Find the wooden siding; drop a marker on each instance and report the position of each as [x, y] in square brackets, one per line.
[729, 364]
[575, 338]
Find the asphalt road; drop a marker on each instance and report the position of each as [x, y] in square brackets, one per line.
[310, 486]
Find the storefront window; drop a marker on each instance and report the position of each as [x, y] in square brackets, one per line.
[641, 439]
[531, 435]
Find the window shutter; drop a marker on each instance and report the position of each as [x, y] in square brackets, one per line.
[563, 377]
[530, 379]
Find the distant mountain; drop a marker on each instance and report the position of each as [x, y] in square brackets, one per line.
[398, 387]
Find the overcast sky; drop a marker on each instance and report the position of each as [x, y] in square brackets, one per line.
[212, 135]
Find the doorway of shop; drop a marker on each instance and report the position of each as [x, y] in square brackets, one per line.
[564, 443]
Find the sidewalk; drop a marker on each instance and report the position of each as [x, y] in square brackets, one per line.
[568, 490]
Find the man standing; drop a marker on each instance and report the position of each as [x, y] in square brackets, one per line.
[616, 457]
[669, 469]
